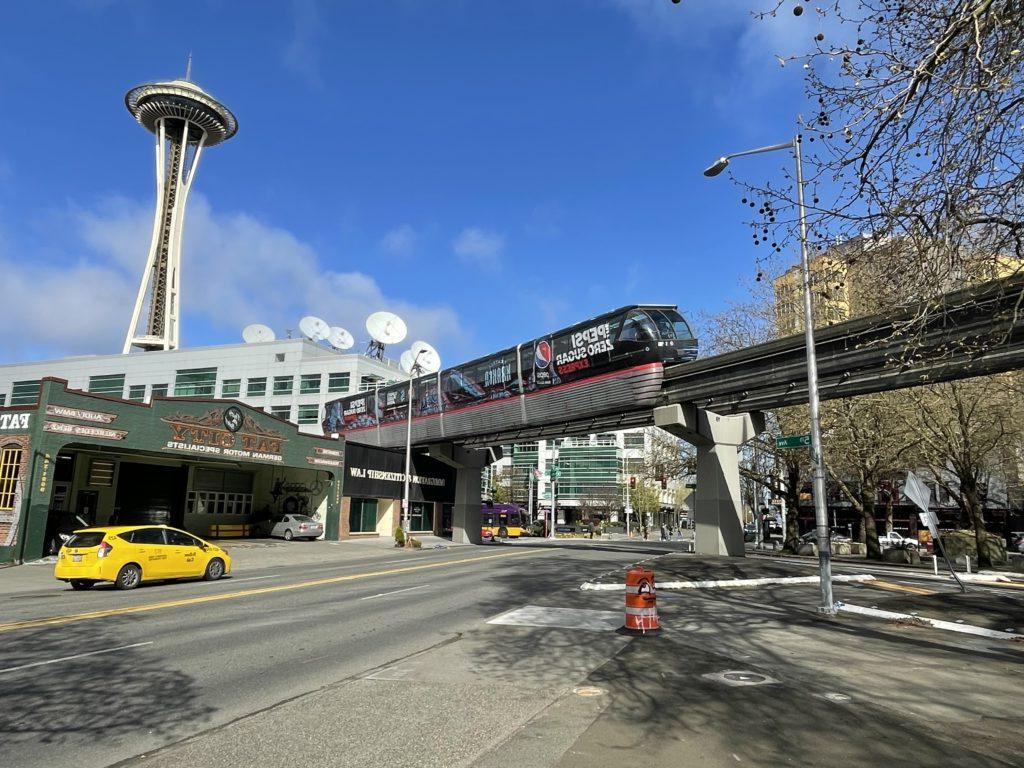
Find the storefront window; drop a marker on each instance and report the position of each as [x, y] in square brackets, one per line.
[10, 460]
[362, 516]
[421, 516]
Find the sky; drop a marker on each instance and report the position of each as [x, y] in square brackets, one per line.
[490, 170]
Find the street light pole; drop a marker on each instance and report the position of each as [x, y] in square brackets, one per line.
[408, 448]
[827, 605]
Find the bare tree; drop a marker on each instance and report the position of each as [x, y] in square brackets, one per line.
[913, 137]
[867, 440]
[965, 429]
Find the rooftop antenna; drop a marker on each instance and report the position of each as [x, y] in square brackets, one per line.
[188, 68]
[384, 328]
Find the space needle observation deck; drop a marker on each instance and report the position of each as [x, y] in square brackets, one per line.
[184, 118]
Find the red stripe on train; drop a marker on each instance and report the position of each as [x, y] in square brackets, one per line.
[548, 390]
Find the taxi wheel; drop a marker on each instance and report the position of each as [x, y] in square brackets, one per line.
[128, 577]
[81, 584]
[214, 569]
[288, 535]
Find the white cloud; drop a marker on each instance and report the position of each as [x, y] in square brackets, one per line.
[236, 270]
[400, 241]
[478, 246]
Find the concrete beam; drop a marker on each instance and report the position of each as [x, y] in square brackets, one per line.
[718, 507]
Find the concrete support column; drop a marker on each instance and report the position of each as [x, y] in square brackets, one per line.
[467, 464]
[718, 507]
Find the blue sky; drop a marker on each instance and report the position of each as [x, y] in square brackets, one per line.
[490, 170]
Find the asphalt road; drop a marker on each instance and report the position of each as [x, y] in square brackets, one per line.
[385, 658]
[165, 661]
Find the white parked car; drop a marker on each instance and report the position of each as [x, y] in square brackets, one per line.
[290, 527]
[895, 539]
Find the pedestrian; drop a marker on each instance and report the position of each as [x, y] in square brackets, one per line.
[664, 535]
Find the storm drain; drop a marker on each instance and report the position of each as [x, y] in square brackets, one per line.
[739, 678]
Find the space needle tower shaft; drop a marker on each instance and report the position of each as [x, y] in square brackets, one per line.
[184, 119]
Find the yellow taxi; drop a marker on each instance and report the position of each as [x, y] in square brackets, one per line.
[131, 554]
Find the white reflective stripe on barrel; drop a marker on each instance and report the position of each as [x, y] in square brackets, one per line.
[641, 611]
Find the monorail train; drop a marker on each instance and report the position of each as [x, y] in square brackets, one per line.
[595, 367]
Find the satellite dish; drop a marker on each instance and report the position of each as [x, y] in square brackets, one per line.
[313, 328]
[386, 327]
[257, 332]
[406, 361]
[339, 338]
[422, 355]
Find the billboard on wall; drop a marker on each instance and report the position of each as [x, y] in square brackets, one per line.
[376, 473]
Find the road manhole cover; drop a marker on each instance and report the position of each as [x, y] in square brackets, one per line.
[740, 677]
[588, 690]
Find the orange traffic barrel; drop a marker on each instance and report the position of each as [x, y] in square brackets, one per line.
[641, 602]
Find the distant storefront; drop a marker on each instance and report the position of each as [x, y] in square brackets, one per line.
[374, 486]
[214, 467]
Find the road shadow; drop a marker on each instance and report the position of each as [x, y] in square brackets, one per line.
[116, 695]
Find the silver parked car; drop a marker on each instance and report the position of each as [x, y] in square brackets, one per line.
[290, 527]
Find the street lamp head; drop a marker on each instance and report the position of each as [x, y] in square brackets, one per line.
[717, 167]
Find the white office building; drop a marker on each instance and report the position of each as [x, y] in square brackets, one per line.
[289, 378]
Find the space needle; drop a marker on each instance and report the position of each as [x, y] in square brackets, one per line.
[184, 118]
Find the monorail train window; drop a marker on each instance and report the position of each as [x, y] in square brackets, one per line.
[638, 327]
[671, 324]
[393, 403]
[490, 379]
[427, 401]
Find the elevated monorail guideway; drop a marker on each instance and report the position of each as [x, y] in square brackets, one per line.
[595, 368]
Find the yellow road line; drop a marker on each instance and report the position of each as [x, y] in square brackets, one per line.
[72, 617]
[886, 585]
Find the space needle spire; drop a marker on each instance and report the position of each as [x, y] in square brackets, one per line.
[184, 118]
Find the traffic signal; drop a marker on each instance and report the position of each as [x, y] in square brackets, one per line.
[632, 483]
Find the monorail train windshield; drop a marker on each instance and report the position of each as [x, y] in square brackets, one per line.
[623, 352]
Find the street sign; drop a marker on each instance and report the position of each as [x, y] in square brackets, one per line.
[793, 441]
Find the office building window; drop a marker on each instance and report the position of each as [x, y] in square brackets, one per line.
[362, 516]
[256, 387]
[283, 385]
[633, 440]
[137, 393]
[111, 384]
[309, 384]
[231, 388]
[369, 383]
[338, 382]
[281, 411]
[159, 390]
[309, 414]
[195, 382]
[25, 392]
